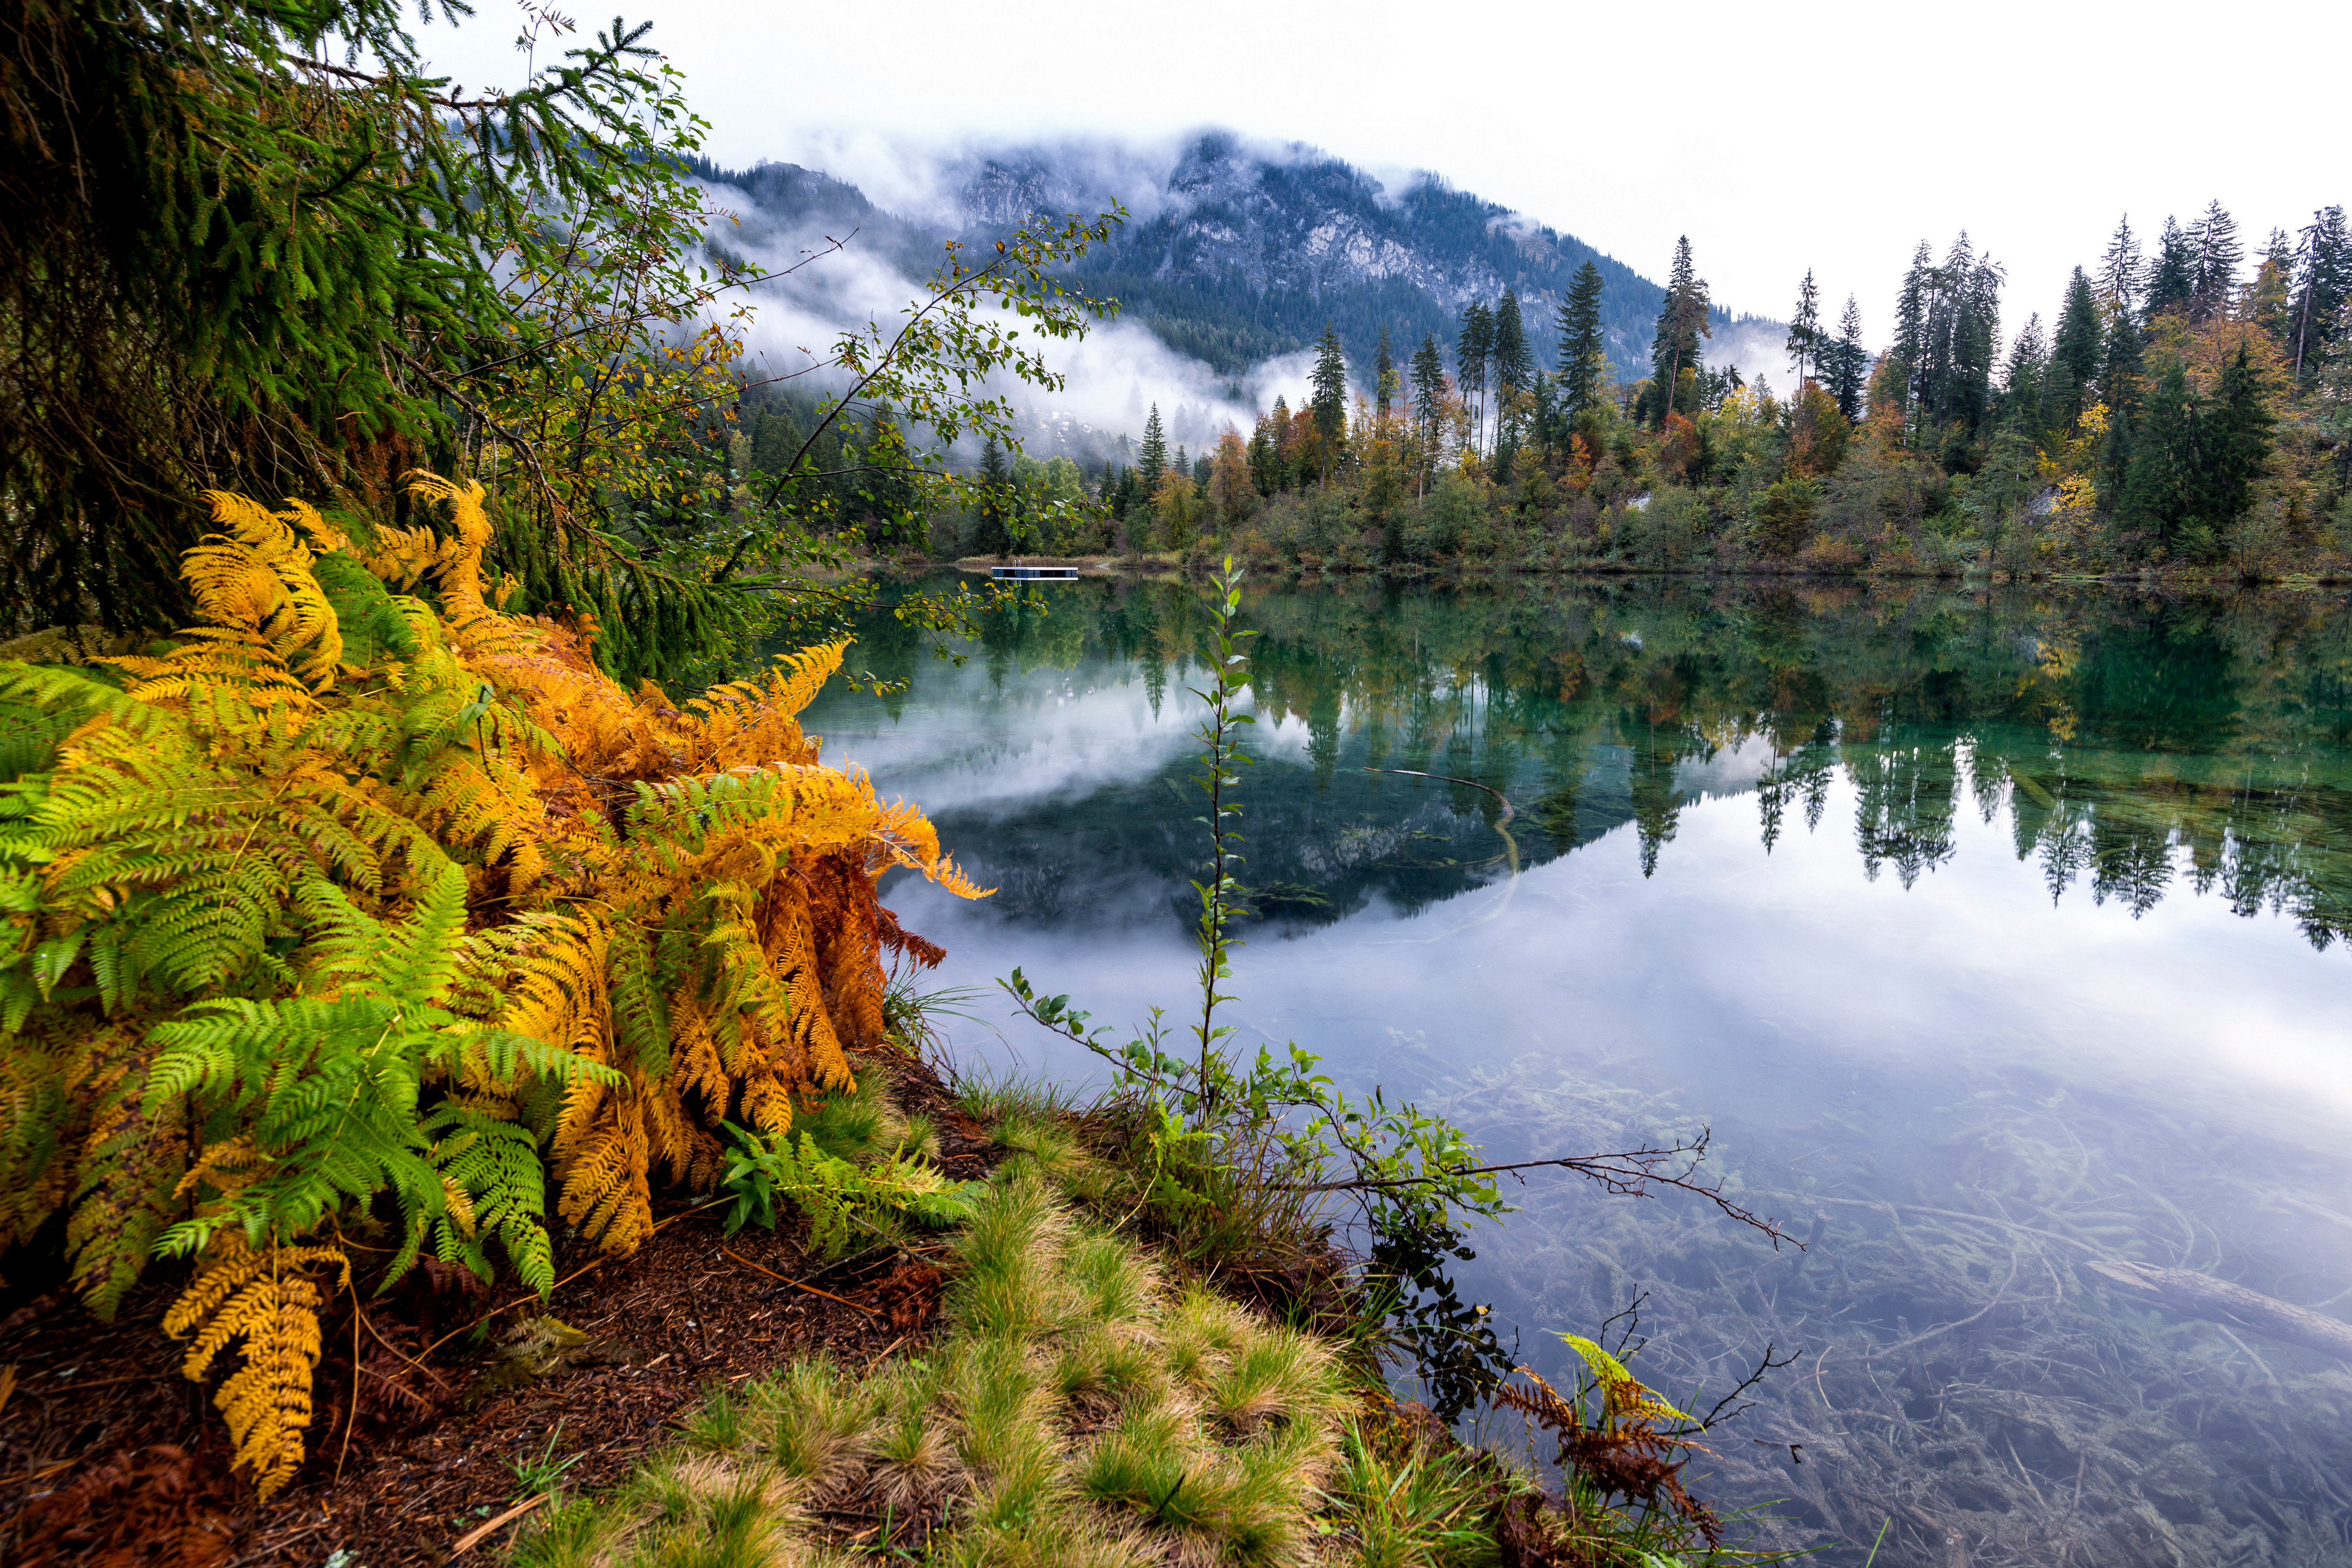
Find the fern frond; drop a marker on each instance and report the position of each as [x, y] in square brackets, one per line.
[267, 1299]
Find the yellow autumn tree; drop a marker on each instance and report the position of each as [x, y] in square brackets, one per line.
[365, 904]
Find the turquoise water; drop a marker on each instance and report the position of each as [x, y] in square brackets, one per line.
[1989, 935]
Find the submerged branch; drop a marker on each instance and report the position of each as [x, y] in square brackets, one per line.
[1631, 1172]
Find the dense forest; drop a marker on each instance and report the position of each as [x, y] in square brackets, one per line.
[2189, 410]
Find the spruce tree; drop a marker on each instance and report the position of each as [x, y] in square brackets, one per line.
[1683, 320]
[2120, 268]
[1153, 461]
[2173, 281]
[2075, 351]
[1913, 302]
[2217, 254]
[1473, 344]
[2159, 489]
[1330, 382]
[1515, 369]
[2194, 460]
[2240, 444]
[2322, 280]
[1429, 402]
[2023, 381]
[1384, 377]
[1805, 327]
[1849, 370]
[993, 536]
[1581, 362]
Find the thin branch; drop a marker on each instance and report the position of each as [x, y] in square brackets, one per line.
[1633, 1173]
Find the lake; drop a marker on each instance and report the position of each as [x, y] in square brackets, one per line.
[1990, 934]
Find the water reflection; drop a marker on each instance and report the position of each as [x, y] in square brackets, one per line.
[1998, 932]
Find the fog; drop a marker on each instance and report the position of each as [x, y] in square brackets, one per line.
[1113, 376]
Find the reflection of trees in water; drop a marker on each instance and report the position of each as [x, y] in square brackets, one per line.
[2135, 747]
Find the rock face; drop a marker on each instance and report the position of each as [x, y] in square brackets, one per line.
[1235, 252]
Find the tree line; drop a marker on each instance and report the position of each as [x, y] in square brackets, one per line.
[2190, 409]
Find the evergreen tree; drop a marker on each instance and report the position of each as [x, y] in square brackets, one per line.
[1913, 302]
[2322, 280]
[1515, 369]
[2240, 445]
[1805, 327]
[1582, 354]
[1330, 382]
[2120, 268]
[993, 536]
[1848, 373]
[2217, 255]
[2023, 381]
[1384, 377]
[1683, 320]
[1152, 461]
[775, 440]
[2172, 281]
[1472, 346]
[2075, 353]
[1429, 402]
[1949, 354]
[2194, 460]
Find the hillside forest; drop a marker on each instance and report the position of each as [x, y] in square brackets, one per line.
[2189, 412]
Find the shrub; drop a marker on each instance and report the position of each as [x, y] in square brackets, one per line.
[359, 909]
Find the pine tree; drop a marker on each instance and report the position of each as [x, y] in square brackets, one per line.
[1472, 346]
[2194, 460]
[1683, 320]
[2241, 442]
[1913, 303]
[2023, 381]
[993, 536]
[2075, 352]
[2322, 280]
[1384, 377]
[1330, 382]
[2217, 253]
[1849, 370]
[1805, 327]
[1583, 365]
[1153, 461]
[2172, 281]
[1515, 369]
[1429, 403]
[2120, 268]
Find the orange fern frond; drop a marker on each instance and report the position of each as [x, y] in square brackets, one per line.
[268, 1300]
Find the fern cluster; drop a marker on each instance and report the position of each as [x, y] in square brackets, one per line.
[366, 906]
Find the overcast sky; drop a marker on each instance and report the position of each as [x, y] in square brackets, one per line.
[1830, 134]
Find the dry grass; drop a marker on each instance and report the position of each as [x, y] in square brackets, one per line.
[1075, 1408]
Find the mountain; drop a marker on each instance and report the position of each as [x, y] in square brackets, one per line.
[1234, 254]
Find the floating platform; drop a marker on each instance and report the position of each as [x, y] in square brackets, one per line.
[1033, 573]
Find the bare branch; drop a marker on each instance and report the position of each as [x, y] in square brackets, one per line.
[1631, 1172]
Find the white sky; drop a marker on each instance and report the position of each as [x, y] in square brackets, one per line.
[1830, 134]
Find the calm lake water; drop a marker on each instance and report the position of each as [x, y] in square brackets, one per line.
[1989, 934]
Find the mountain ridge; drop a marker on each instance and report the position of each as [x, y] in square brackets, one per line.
[1236, 254]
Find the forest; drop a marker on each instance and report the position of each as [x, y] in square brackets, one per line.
[2186, 414]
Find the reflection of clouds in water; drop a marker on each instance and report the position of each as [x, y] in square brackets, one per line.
[979, 751]
[1752, 977]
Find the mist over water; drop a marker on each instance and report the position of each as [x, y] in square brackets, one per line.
[1988, 935]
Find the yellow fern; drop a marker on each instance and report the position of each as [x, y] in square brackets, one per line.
[590, 923]
[267, 1300]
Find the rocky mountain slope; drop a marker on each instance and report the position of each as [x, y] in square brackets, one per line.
[1236, 253]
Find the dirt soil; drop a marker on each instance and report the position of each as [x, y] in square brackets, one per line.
[109, 1458]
